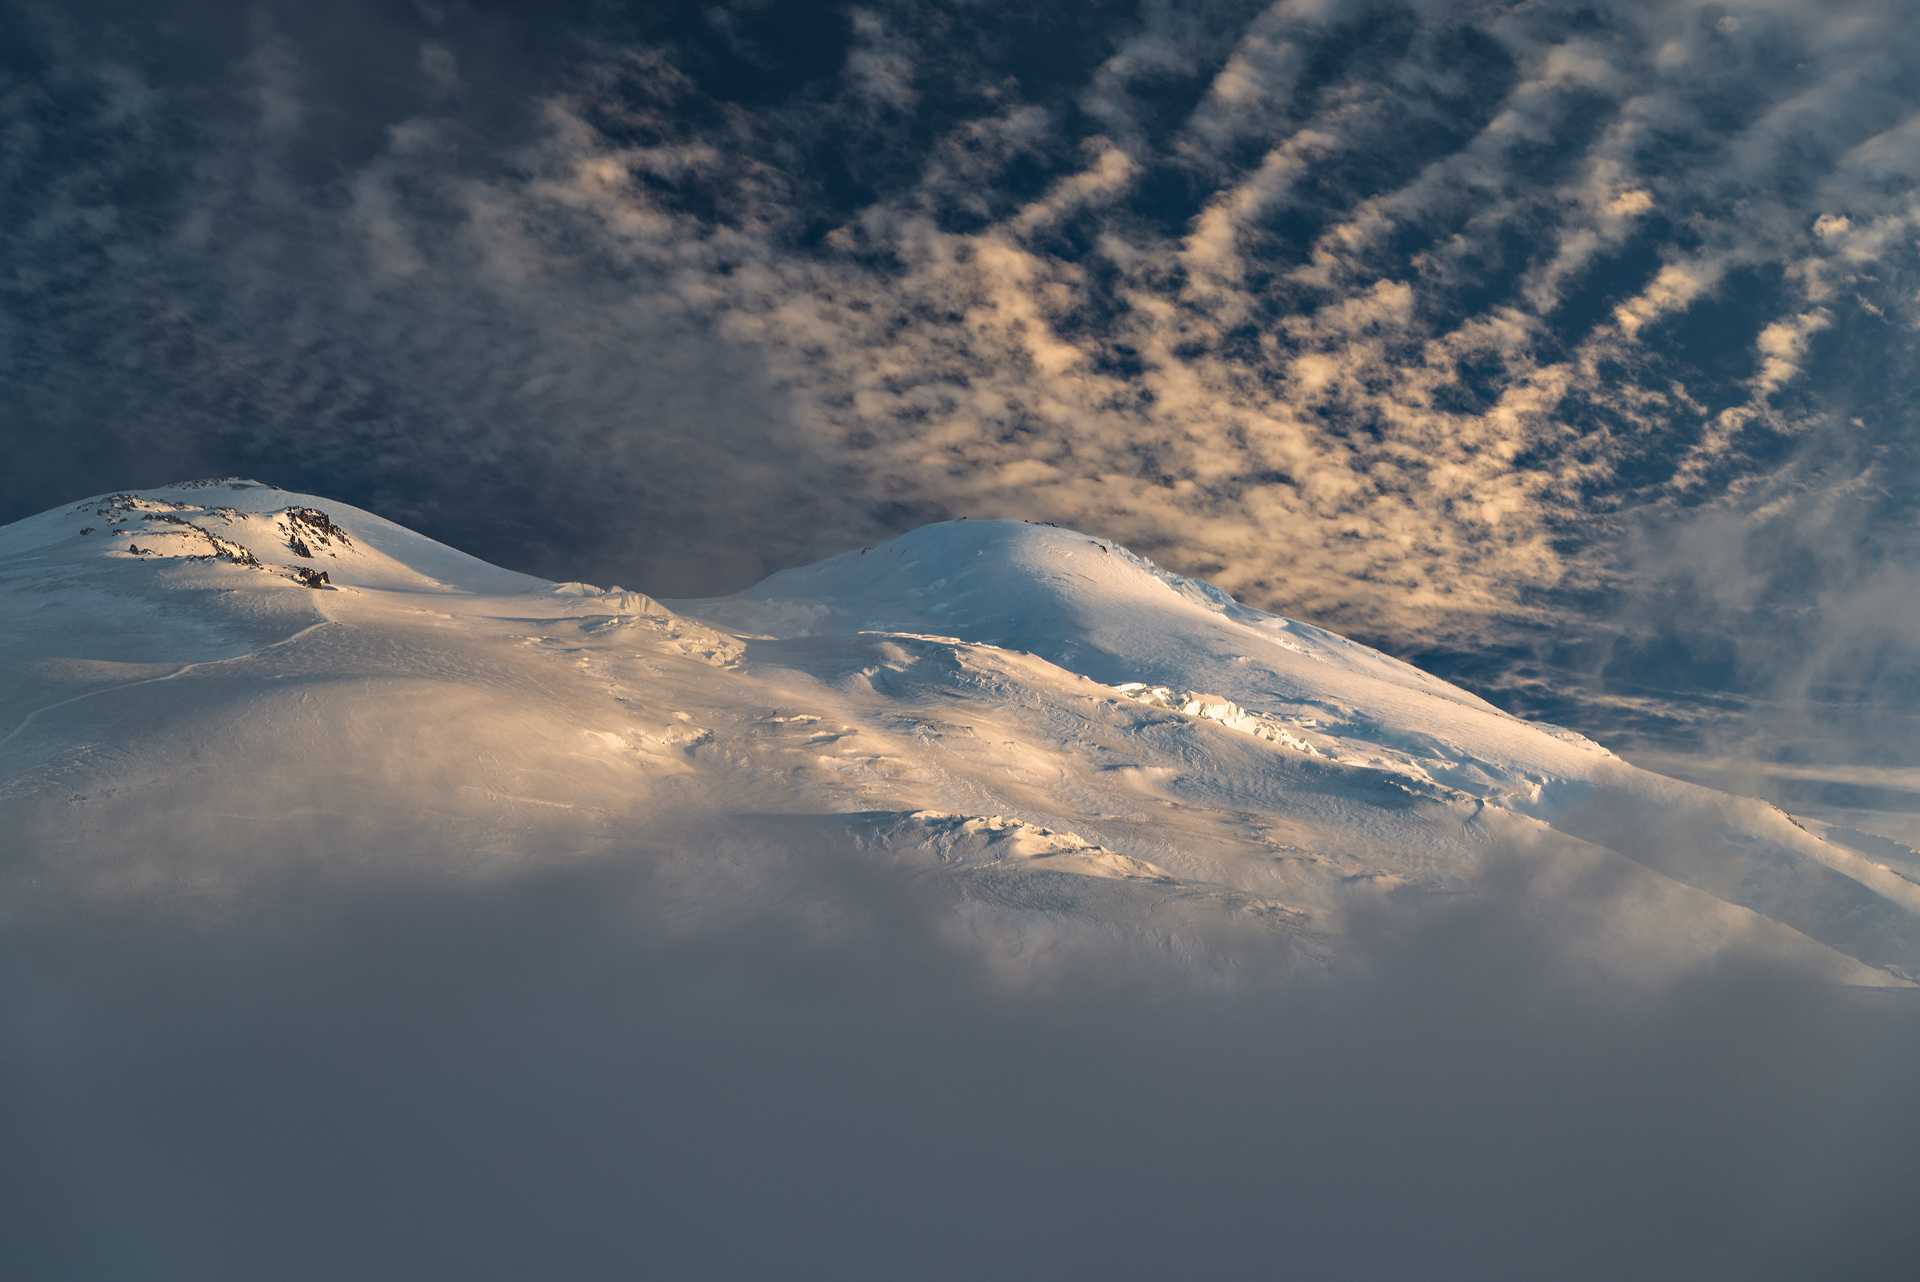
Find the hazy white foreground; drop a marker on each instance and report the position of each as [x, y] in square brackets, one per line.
[1038, 721]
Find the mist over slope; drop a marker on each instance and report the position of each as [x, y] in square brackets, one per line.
[988, 871]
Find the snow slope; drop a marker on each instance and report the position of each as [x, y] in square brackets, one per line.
[1068, 740]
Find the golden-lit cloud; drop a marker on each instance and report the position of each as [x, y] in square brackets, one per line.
[1381, 318]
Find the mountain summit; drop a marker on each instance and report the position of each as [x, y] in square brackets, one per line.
[1056, 732]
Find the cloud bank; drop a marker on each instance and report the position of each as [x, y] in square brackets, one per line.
[622, 1064]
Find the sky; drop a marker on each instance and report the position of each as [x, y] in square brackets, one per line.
[1565, 349]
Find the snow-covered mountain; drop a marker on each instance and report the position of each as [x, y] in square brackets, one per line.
[214, 682]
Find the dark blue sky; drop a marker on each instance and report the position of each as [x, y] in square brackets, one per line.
[1568, 348]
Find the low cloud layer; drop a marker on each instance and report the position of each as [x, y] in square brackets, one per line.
[607, 1068]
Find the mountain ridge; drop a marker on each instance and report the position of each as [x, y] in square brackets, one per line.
[1027, 710]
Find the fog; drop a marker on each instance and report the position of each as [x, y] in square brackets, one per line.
[617, 1067]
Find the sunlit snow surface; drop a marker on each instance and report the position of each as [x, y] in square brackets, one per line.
[1048, 729]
